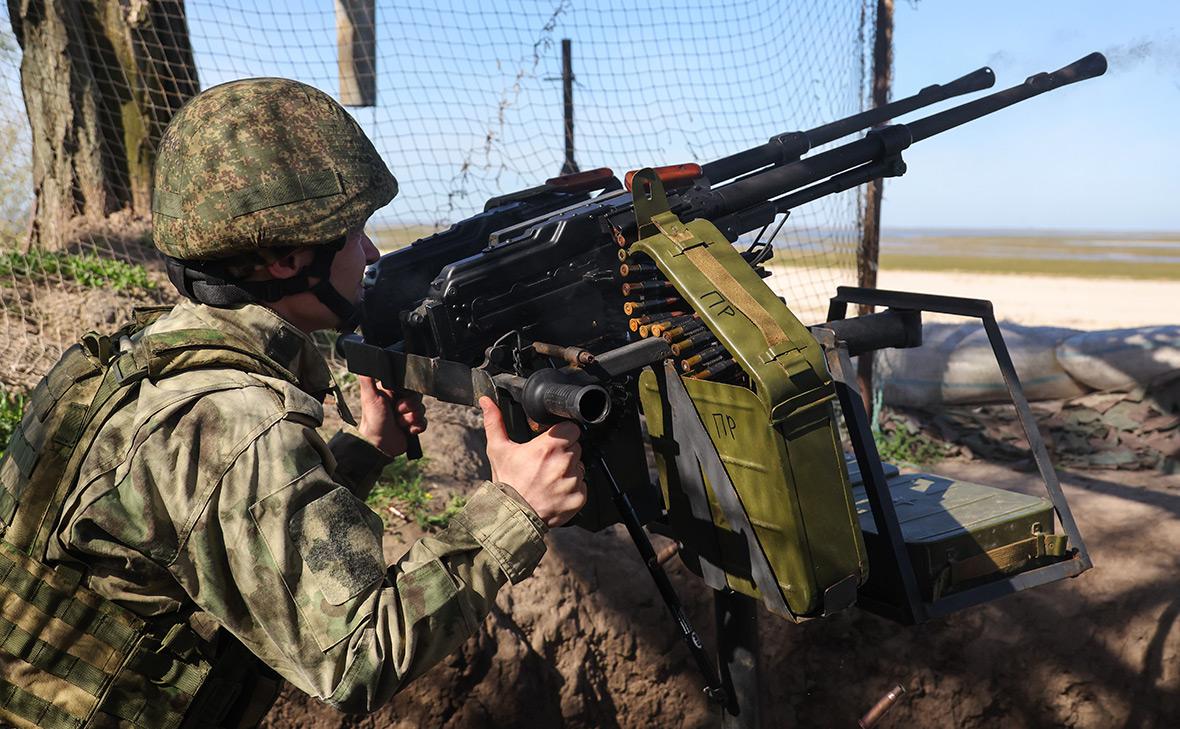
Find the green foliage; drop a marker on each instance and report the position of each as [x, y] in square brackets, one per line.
[87, 269]
[400, 490]
[11, 406]
[902, 441]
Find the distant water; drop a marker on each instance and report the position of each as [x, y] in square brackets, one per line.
[1100, 246]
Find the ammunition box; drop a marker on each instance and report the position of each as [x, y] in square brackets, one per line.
[777, 440]
[791, 481]
[957, 534]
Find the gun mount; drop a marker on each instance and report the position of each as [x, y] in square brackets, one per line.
[597, 308]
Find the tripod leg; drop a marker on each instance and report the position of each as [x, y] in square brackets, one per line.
[737, 653]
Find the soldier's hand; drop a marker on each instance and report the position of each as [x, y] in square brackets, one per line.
[547, 471]
[387, 416]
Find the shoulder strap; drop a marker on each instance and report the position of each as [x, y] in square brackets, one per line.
[180, 350]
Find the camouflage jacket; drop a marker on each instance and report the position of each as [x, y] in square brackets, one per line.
[214, 489]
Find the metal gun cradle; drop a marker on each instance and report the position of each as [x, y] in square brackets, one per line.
[938, 545]
[755, 479]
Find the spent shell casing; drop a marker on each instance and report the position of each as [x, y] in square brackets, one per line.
[886, 702]
[631, 308]
[646, 287]
[703, 356]
[638, 269]
[623, 255]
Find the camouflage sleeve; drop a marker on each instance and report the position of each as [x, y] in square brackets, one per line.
[358, 462]
[290, 561]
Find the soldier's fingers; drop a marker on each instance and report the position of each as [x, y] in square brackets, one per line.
[565, 431]
[415, 422]
[368, 386]
[493, 423]
[407, 401]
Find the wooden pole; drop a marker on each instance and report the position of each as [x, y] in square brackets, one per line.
[870, 244]
[356, 51]
[567, 92]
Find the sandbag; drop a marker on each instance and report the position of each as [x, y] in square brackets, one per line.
[1122, 359]
[955, 366]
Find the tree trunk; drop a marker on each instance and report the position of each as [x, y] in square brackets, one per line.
[868, 254]
[101, 79]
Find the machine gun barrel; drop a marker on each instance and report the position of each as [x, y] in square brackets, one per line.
[880, 144]
[790, 146]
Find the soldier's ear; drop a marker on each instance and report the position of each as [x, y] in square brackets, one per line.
[290, 264]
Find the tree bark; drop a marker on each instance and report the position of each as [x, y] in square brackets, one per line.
[870, 247]
[101, 79]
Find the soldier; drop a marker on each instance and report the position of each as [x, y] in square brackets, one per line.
[176, 534]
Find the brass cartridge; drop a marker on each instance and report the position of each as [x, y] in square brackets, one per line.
[639, 321]
[680, 330]
[631, 308]
[691, 342]
[714, 368]
[659, 328]
[647, 287]
[645, 270]
[703, 356]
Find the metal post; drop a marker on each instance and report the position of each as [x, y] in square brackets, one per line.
[356, 48]
[869, 253]
[737, 654]
[567, 91]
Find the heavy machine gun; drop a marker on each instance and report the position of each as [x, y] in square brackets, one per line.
[563, 304]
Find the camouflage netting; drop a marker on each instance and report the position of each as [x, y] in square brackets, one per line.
[1135, 430]
[467, 105]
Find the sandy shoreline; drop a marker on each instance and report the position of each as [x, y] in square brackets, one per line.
[1080, 303]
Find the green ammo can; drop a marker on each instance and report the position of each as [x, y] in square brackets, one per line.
[958, 534]
[754, 477]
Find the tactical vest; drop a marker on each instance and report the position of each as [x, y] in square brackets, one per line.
[69, 658]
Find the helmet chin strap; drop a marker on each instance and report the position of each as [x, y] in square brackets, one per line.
[209, 283]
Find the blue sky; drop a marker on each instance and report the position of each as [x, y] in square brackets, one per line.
[1103, 154]
[466, 109]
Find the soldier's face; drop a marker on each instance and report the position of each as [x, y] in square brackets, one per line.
[348, 267]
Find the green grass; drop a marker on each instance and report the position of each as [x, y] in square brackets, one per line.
[87, 269]
[12, 404]
[901, 441]
[1072, 268]
[400, 487]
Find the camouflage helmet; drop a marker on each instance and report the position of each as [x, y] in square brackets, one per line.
[259, 163]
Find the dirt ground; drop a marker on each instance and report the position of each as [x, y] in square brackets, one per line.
[586, 642]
